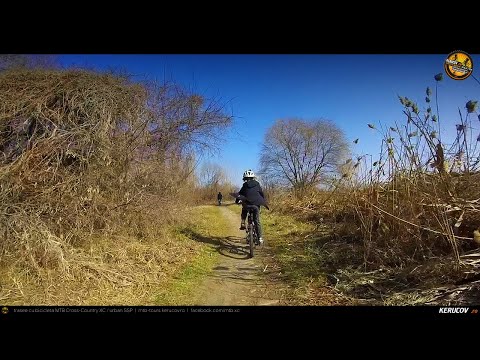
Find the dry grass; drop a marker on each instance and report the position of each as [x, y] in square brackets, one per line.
[294, 261]
[61, 171]
[416, 207]
[104, 271]
[94, 171]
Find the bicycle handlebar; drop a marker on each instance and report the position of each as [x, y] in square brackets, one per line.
[243, 198]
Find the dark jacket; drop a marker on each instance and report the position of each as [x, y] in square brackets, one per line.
[253, 193]
[219, 196]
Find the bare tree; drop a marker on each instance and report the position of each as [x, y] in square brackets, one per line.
[299, 152]
[176, 125]
[183, 121]
[212, 175]
[213, 178]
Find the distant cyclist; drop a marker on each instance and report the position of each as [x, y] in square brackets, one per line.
[219, 198]
[252, 198]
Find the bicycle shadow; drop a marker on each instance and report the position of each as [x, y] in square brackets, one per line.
[229, 204]
[233, 247]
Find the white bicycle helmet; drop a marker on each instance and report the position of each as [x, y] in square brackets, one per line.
[248, 174]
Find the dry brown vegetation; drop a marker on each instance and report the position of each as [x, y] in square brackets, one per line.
[411, 218]
[93, 169]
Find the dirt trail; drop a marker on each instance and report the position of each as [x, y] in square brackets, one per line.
[238, 279]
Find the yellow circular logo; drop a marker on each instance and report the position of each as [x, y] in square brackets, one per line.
[458, 65]
[4, 310]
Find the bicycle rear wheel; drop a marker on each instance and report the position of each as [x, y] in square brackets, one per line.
[250, 238]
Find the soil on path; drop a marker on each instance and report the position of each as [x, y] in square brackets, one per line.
[238, 279]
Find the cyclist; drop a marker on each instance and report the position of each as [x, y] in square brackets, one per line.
[219, 198]
[252, 198]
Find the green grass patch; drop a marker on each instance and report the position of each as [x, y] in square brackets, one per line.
[289, 240]
[297, 251]
[180, 288]
[205, 226]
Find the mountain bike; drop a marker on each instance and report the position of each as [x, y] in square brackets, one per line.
[252, 237]
[250, 228]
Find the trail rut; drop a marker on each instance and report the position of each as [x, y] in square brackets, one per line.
[238, 279]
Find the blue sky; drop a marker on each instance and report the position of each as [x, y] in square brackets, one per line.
[351, 90]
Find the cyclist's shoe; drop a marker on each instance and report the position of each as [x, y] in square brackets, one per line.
[260, 241]
[242, 226]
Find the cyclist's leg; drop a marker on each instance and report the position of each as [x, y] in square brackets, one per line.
[256, 219]
[243, 216]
